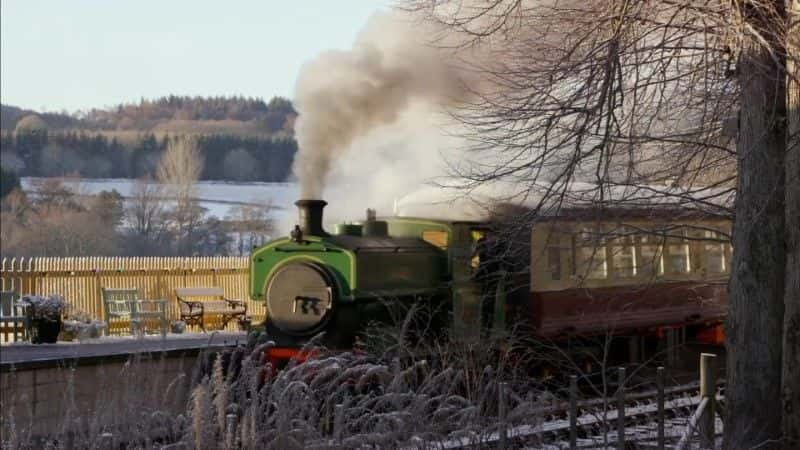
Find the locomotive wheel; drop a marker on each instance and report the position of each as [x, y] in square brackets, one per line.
[299, 299]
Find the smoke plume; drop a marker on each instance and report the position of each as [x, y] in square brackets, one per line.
[346, 98]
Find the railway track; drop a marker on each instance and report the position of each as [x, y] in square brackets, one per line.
[596, 422]
[596, 425]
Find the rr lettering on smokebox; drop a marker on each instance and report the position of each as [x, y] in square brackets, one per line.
[308, 303]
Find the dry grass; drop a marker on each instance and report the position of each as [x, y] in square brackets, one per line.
[395, 399]
[134, 406]
[240, 402]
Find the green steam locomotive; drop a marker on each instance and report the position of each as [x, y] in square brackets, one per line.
[313, 281]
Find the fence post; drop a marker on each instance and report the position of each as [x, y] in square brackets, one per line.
[660, 402]
[98, 290]
[573, 412]
[501, 413]
[338, 423]
[621, 408]
[633, 349]
[106, 440]
[230, 431]
[708, 389]
[671, 344]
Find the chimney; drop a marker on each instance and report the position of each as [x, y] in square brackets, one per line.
[310, 215]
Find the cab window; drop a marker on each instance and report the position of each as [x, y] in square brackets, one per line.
[475, 236]
[435, 237]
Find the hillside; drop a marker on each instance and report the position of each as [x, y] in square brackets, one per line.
[243, 139]
[171, 114]
[11, 115]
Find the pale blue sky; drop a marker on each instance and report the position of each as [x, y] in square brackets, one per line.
[79, 54]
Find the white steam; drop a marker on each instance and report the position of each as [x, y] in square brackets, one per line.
[370, 127]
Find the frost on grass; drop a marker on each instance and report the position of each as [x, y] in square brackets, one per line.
[390, 394]
[237, 400]
[380, 403]
[130, 405]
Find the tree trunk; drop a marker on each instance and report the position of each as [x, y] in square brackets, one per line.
[755, 320]
[791, 319]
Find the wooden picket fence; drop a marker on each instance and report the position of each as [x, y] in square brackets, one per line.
[80, 280]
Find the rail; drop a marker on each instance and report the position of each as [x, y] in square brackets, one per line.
[81, 279]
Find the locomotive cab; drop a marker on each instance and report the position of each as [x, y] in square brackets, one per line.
[459, 240]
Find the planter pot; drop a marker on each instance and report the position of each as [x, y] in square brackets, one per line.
[177, 326]
[245, 323]
[97, 330]
[45, 331]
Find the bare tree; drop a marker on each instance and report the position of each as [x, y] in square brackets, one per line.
[57, 224]
[186, 219]
[617, 103]
[144, 210]
[791, 319]
[179, 169]
[252, 225]
[755, 321]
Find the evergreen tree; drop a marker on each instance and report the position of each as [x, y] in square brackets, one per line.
[8, 182]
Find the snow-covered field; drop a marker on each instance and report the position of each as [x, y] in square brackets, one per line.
[213, 195]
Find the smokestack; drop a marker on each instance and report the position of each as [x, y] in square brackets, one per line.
[310, 215]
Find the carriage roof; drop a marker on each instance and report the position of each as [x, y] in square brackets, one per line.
[580, 201]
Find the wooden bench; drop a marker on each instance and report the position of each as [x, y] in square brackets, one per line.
[14, 319]
[197, 304]
[125, 304]
[117, 306]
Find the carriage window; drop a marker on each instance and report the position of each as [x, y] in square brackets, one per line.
[652, 260]
[623, 260]
[651, 255]
[554, 262]
[678, 258]
[714, 252]
[592, 254]
[593, 263]
[437, 238]
[623, 256]
[677, 252]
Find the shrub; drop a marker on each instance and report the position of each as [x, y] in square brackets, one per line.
[45, 307]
